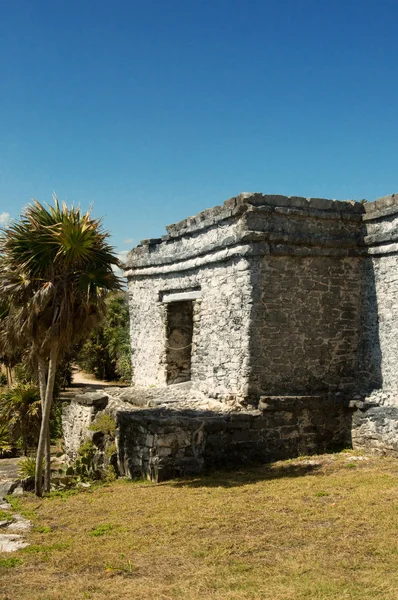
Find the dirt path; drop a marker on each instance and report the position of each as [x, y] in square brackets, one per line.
[83, 380]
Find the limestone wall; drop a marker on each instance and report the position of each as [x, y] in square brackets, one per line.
[183, 436]
[163, 444]
[375, 429]
[77, 418]
[219, 363]
[381, 313]
[305, 330]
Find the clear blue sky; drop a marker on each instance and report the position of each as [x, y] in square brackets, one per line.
[153, 110]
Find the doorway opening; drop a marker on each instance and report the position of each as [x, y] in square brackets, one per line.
[179, 330]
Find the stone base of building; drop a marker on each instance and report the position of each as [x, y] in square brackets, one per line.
[375, 429]
[170, 433]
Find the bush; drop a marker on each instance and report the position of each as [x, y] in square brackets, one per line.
[106, 353]
[26, 467]
[20, 414]
[105, 424]
[5, 442]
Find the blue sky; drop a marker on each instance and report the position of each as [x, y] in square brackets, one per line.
[154, 110]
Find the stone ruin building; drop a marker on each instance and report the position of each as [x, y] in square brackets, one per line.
[261, 329]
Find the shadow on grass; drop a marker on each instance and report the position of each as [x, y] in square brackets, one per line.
[251, 474]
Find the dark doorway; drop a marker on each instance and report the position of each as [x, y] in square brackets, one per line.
[179, 341]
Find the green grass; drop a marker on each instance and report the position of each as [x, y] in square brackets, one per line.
[101, 529]
[306, 529]
[9, 563]
[5, 515]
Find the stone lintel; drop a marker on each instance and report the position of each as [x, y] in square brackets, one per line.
[180, 296]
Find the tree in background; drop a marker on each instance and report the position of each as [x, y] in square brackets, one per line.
[106, 353]
[20, 415]
[9, 354]
[55, 271]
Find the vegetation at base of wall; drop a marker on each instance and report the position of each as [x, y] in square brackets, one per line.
[301, 529]
[82, 469]
[111, 450]
[106, 353]
[105, 424]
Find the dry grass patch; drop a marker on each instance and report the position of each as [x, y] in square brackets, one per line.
[318, 528]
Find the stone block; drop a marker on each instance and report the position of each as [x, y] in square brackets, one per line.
[99, 400]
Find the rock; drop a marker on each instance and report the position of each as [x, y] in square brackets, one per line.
[97, 399]
[132, 397]
[7, 487]
[11, 542]
[19, 524]
[4, 523]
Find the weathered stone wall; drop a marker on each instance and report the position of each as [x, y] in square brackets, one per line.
[375, 429]
[381, 313]
[383, 347]
[77, 418]
[219, 364]
[162, 444]
[375, 423]
[305, 329]
[184, 436]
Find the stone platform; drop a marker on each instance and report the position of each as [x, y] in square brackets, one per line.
[162, 433]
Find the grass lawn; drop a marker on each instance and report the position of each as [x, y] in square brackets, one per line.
[324, 527]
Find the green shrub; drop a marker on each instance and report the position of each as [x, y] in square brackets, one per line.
[5, 442]
[23, 373]
[83, 468]
[27, 467]
[105, 424]
[106, 353]
[111, 450]
[20, 412]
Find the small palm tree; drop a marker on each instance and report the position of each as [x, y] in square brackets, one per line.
[55, 270]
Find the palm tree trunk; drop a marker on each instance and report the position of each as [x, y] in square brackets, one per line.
[47, 449]
[47, 464]
[9, 375]
[45, 419]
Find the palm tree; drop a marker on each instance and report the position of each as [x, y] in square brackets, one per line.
[55, 270]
